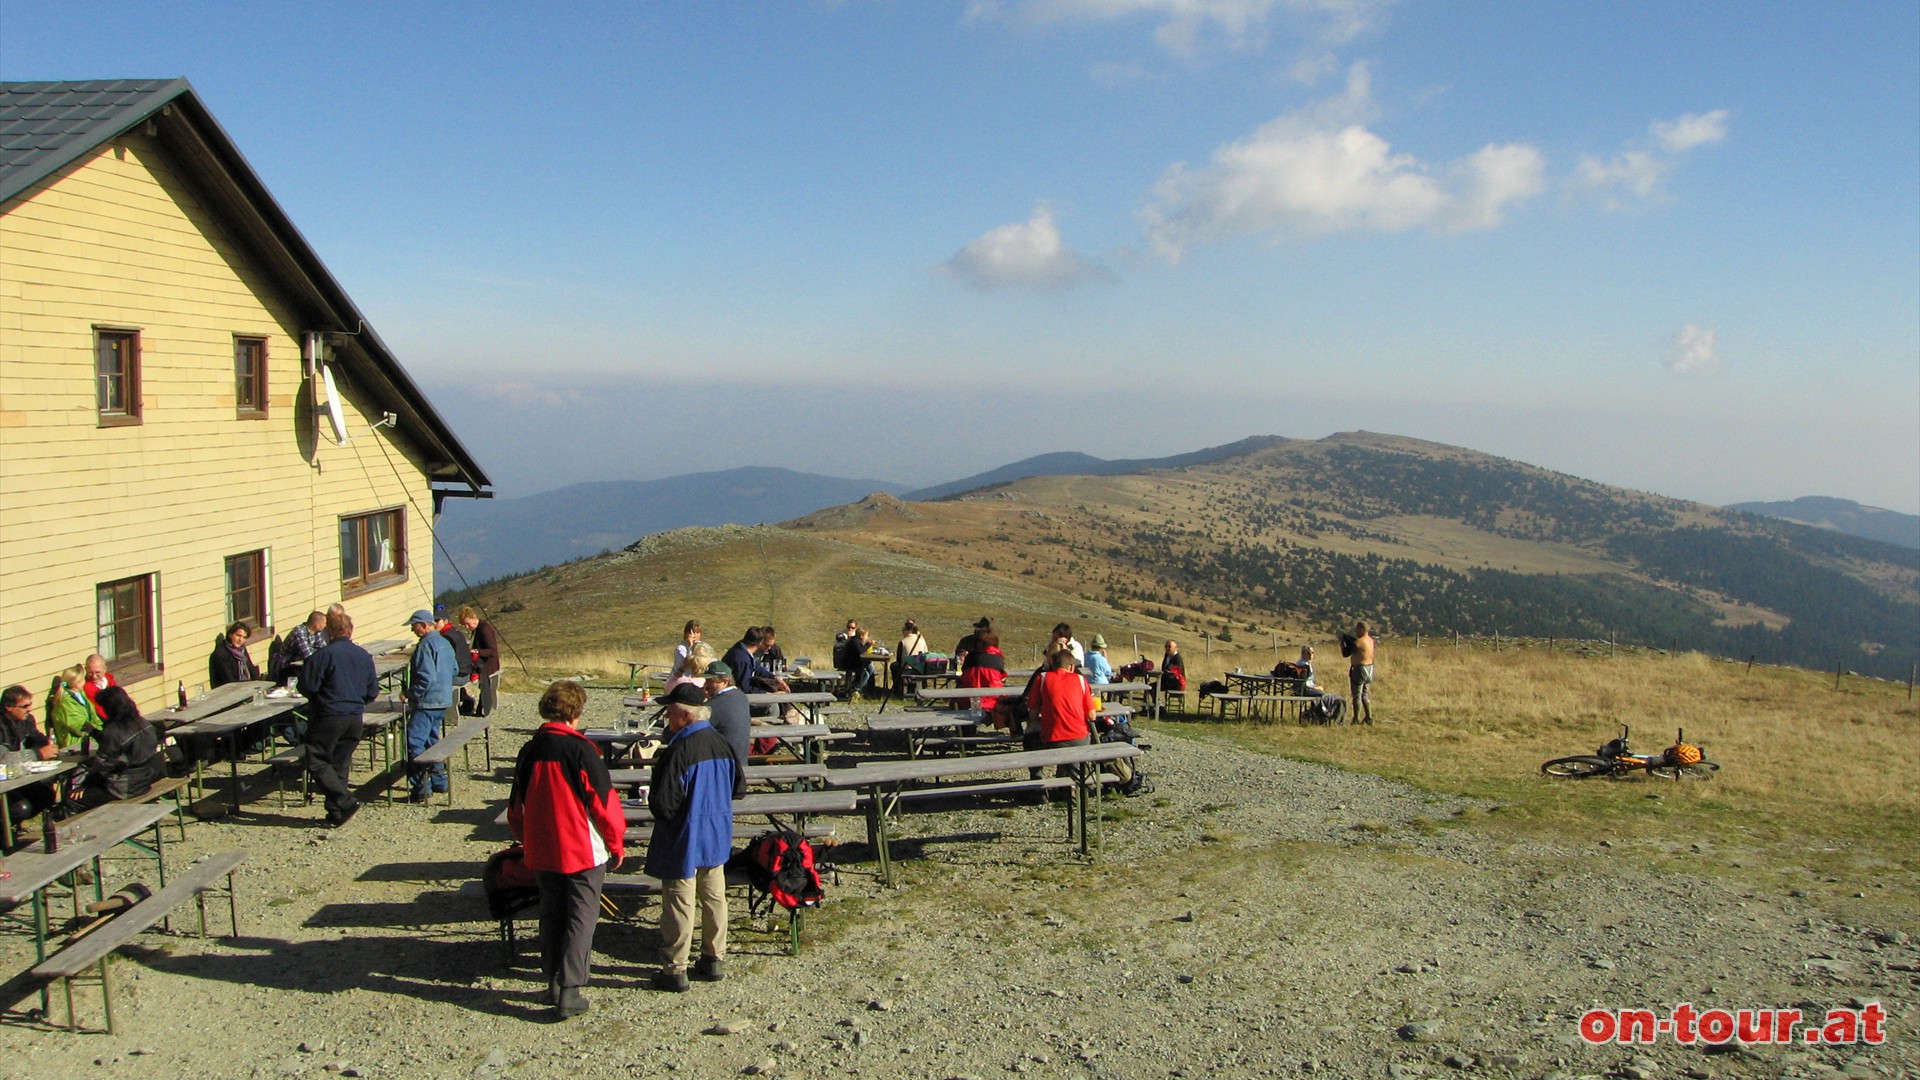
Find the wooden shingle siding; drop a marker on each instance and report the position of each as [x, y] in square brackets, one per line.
[120, 240]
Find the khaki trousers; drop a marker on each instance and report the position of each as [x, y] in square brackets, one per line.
[677, 895]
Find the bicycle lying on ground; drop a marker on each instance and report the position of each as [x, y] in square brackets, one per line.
[1680, 761]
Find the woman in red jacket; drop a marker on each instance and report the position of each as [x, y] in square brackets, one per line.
[566, 812]
[986, 666]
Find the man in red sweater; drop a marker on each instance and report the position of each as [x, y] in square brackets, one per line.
[98, 679]
[565, 810]
[1063, 702]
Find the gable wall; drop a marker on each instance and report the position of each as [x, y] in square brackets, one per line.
[120, 240]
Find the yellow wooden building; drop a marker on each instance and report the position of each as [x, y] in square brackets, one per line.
[197, 426]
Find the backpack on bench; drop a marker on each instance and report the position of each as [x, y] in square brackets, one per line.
[1133, 780]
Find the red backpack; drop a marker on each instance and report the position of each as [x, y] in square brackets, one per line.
[779, 868]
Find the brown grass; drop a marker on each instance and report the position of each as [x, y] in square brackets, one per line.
[1815, 783]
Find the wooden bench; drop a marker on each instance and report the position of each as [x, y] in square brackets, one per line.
[167, 787]
[96, 942]
[453, 739]
[1249, 706]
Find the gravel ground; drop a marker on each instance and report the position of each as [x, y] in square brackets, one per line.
[1252, 917]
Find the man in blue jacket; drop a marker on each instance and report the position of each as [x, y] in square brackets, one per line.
[693, 787]
[338, 681]
[429, 695]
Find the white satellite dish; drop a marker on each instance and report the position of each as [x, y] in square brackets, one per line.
[336, 416]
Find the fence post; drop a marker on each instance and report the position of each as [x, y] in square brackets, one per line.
[1837, 665]
[1750, 663]
[1911, 672]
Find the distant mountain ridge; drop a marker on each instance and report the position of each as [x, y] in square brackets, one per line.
[1842, 515]
[1077, 464]
[497, 537]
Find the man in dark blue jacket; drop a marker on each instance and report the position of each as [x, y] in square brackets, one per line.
[694, 784]
[338, 681]
[744, 660]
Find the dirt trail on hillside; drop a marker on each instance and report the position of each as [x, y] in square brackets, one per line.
[1253, 917]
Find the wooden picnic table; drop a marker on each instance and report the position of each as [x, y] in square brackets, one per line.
[799, 775]
[968, 693]
[1245, 706]
[228, 724]
[810, 701]
[31, 869]
[217, 700]
[800, 805]
[882, 779]
[41, 772]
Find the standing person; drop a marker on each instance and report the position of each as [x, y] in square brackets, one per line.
[19, 732]
[1358, 649]
[98, 679]
[230, 661]
[694, 784]
[727, 711]
[566, 812]
[429, 693]
[1098, 669]
[338, 681]
[126, 757]
[456, 636]
[69, 715]
[303, 641]
[486, 658]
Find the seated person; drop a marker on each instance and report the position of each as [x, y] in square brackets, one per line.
[691, 669]
[230, 661]
[1173, 670]
[19, 732]
[854, 665]
[986, 666]
[69, 714]
[1098, 669]
[126, 757]
[771, 655]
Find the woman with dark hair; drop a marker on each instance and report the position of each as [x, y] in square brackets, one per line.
[230, 661]
[986, 665]
[126, 756]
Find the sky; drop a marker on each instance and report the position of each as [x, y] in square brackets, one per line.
[1671, 246]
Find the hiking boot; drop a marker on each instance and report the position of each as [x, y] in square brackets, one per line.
[419, 796]
[552, 994]
[709, 969]
[572, 1003]
[345, 814]
[673, 982]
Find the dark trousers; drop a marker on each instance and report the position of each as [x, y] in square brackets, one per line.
[569, 908]
[477, 698]
[1033, 741]
[25, 802]
[330, 743]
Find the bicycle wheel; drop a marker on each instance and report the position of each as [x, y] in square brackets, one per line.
[1699, 770]
[1577, 768]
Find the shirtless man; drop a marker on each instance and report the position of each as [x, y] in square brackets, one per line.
[1359, 652]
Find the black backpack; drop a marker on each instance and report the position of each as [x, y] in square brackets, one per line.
[277, 660]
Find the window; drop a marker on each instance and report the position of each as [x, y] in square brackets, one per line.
[250, 377]
[116, 362]
[372, 550]
[247, 589]
[126, 626]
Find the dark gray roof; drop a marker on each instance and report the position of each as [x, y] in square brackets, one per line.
[46, 126]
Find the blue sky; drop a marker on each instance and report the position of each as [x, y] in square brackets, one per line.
[1672, 246]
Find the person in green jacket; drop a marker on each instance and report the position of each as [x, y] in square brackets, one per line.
[69, 716]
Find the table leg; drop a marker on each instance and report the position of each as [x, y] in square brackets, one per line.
[1080, 794]
[40, 945]
[233, 767]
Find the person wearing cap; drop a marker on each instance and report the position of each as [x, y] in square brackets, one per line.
[1098, 669]
[963, 653]
[729, 714]
[429, 695]
[694, 782]
[566, 812]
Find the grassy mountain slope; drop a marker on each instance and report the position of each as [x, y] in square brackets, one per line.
[633, 603]
[1077, 464]
[1422, 538]
[1843, 515]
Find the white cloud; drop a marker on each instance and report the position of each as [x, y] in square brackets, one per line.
[1694, 353]
[1693, 129]
[1638, 170]
[1320, 170]
[1185, 26]
[1028, 254]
